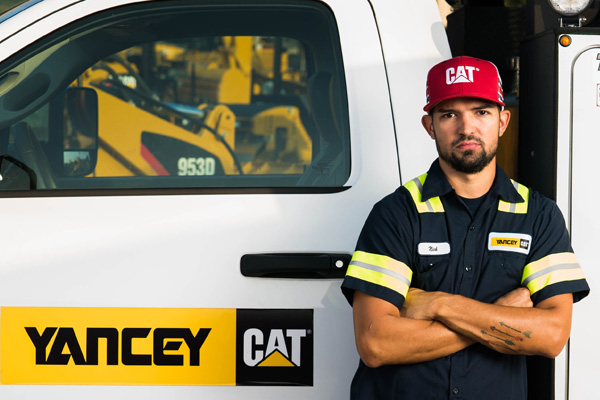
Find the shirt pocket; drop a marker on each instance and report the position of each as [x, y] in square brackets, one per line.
[505, 271]
[433, 273]
[512, 264]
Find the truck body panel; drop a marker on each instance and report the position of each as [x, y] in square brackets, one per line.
[578, 115]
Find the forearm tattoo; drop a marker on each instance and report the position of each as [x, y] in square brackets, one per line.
[505, 336]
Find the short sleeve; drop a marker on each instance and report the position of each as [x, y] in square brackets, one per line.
[381, 263]
[552, 267]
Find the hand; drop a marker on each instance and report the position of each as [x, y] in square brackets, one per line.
[519, 297]
[418, 304]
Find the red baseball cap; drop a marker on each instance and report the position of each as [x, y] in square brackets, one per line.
[463, 77]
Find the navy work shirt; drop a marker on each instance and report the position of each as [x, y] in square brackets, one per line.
[424, 236]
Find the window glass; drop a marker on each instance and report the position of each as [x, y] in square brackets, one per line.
[180, 97]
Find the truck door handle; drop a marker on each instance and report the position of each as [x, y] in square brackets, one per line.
[295, 265]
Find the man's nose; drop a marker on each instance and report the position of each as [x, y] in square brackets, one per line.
[467, 124]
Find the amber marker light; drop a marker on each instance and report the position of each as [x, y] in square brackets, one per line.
[565, 40]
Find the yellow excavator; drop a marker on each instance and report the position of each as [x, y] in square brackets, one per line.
[186, 108]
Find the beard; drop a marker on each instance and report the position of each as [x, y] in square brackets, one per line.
[468, 162]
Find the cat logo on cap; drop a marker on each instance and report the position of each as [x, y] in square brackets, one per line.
[462, 74]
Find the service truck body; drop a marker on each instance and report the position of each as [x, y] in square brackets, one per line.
[560, 95]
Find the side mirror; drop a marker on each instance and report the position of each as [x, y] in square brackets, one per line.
[74, 122]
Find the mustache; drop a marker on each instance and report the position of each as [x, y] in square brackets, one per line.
[467, 138]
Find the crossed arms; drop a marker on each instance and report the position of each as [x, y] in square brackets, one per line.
[435, 324]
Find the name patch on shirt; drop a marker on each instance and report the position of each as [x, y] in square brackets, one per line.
[516, 242]
[433, 249]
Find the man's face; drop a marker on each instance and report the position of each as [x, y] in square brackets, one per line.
[466, 132]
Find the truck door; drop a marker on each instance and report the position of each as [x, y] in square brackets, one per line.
[181, 186]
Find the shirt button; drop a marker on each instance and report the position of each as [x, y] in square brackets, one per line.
[455, 391]
[468, 268]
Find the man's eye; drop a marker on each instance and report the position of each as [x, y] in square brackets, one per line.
[483, 112]
[447, 115]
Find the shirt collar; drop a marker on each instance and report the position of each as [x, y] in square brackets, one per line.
[437, 185]
[505, 188]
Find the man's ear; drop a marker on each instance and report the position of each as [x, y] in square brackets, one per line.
[504, 120]
[427, 122]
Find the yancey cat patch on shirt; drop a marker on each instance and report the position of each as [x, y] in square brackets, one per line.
[515, 242]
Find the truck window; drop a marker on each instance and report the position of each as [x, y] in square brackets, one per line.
[171, 96]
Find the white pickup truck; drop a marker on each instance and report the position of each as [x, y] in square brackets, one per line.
[182, 184]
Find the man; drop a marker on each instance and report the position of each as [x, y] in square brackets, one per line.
[461, 272]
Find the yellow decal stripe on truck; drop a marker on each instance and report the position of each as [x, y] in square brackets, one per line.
[152, 346]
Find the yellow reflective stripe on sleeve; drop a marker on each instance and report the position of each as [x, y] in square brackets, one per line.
[516, 208]
[415, 188]
[561, 267]
[380, 270]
